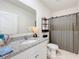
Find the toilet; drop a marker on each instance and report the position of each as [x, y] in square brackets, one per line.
[52, 50]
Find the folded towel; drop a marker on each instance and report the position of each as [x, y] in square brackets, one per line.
[2, 36]
[1, 42]
[5, 50]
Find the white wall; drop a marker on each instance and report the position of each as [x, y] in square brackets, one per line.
[41, 10]
[72, 10]
[65, 12]
[25, 17]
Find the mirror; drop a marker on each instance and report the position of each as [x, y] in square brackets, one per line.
[16, 18]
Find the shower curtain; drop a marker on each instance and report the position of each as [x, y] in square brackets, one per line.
[63, 31]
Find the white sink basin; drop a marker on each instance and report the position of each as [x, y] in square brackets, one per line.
[28, 42]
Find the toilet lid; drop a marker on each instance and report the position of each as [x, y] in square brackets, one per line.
[52, 46]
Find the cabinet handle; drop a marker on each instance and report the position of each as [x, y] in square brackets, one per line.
[36, 56]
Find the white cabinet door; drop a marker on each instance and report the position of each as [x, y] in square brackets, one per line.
[43, 50]
[39, 51]
[43, 54]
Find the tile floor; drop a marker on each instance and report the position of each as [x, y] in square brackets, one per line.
[66, 55]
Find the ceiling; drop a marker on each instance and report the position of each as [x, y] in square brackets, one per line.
[56, 5]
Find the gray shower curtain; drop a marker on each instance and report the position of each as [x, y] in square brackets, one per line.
[63, 31]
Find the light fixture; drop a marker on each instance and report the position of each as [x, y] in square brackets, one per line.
[34, 30]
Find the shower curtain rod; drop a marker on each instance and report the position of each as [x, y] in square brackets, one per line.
[62, 16]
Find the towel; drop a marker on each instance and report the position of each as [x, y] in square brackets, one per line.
[5, 50]
[2, 36]
[1, 42]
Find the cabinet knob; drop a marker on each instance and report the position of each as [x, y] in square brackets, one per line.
[36, 56]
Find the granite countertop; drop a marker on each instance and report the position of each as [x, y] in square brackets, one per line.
[19, 48]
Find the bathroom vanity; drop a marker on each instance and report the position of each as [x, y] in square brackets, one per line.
[36, 50]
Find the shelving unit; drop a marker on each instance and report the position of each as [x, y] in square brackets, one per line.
[45, 26]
